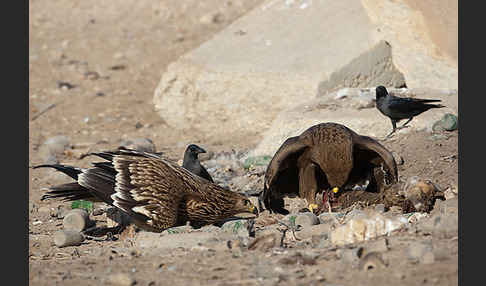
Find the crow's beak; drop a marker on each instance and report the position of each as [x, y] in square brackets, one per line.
[200, 150]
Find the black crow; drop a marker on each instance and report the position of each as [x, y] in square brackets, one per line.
[398, 108]
[191, 162]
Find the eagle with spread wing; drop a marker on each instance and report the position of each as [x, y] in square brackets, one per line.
[325, 157]
[154, 191]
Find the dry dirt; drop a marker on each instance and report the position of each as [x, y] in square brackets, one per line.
[114, 55]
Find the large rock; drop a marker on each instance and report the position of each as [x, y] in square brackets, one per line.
[283, 53]
[424, 38]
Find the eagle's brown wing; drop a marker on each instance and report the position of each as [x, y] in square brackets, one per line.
[331, 149]
[146, 187]
[372, 151]
[281, 176]
[155, 192]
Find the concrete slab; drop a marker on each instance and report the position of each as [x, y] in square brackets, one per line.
[285, 52]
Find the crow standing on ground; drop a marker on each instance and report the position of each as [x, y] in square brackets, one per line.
[191, 162]
[398, 108]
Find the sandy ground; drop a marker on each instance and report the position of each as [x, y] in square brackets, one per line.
[97, 64]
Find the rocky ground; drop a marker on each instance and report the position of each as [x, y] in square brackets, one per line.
[93, 69]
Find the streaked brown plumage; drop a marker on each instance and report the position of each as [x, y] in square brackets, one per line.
[154, 191]
[325, 156]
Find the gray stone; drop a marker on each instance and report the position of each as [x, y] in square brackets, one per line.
[63, 238]
[76, 219]
[306, 219]
[448, 122]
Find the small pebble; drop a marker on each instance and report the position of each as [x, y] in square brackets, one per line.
[448, 122]
[63, 238]
[76, 219]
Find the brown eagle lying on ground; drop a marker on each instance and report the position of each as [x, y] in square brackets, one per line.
[327, 156]
[155, 192]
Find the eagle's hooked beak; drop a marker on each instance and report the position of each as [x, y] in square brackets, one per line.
[253, 210]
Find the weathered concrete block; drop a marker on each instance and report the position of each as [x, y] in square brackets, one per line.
[241, 82]
[372, 68]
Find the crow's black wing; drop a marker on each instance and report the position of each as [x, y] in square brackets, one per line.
[410, 105]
